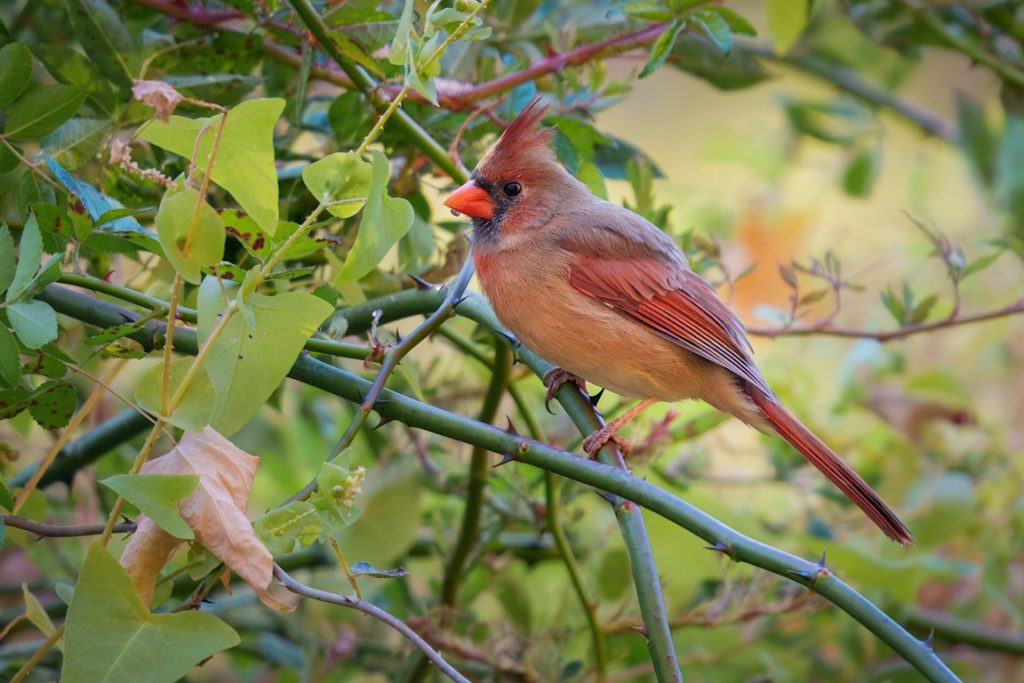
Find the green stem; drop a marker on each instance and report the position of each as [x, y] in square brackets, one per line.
[396, 102]
[37, 656]
[362, 80]
[478, 468]
[598, 475]
[958, 630]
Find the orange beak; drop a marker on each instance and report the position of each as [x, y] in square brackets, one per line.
[472, 200]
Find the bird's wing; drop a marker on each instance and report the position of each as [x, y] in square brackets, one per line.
[668, 298]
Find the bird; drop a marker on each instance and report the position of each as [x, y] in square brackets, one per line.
[610, 299]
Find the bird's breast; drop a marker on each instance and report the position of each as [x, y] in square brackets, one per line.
[530, 293]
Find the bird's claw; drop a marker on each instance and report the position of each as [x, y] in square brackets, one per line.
[593, 443]
[554, 379]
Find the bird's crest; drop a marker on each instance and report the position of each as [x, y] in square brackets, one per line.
[522, 147]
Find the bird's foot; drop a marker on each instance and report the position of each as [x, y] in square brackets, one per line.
[609, 433]
[554, 379]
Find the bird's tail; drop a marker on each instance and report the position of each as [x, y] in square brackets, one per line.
[837, 471]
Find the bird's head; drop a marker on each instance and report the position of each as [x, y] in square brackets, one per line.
[516, 185]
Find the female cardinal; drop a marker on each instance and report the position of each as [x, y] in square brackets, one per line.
[610, 299]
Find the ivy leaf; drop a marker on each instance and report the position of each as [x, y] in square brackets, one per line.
[112, 637]
[245, 158]
[41, 110]
[246, 366]
[10, 363]
[177, 219]
[662, 47]
[34, 322]
[384, 221]
[53, 404]
[341, 177]
[15, 71]
[290, 527]
[215, 511]
[106, 39]
[157, 496]
[195, 410]
[75, 141]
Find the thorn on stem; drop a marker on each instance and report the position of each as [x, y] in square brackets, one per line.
[611, 499]
[596, 397]
[723, 548]
[506, 458]
[383, 421]
[511, 428]
[929, 642]
[421, 284]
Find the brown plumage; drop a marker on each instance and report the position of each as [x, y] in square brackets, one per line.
[606, 296]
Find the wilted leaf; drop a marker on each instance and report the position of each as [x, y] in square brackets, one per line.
[157, 496]
[162, 97]
[112, 637]
[215, 511]
[245, 158]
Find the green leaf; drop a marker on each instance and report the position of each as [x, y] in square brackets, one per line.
[30, 250]
[366, 569]
[177, 219]
[10, 363]
[246, 367]
[34, 322]
[106, 39]
[157, 496]
[289, 528]
[894, 305]
[112, 637]
[340, 177]
[715, 27]
[35, 613]
[53, 404]
[42, 110]
[195, 410]
[862, 171]
[15, 71]
[787, 20]
[976, 138]
[1009, 170]
[48, 273]
[6, 499]
[76, 141]
[736, 23]
[400, 43]
[245, 159]
[334, 497]
[384, 221]
[979, 264]
[662, 47]
[7, 258]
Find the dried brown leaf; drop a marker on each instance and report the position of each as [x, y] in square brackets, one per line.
[215, 511]
[159, 95]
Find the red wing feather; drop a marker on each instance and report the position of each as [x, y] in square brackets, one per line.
[677, 304]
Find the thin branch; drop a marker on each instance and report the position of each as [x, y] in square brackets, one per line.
[42, 529]
[374, 611]
[956, 630]
[889, 335]
[600, 476]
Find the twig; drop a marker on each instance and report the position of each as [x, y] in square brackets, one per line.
[889, 335]
[63, 530]
[37, 656]
[602, 477]
[369, 608]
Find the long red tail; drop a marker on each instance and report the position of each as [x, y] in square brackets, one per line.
[837, 471]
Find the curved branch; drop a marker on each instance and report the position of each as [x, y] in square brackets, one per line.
[598, 475]
[374, 611]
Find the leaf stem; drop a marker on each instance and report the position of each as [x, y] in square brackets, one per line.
[396, 102]
[38, 655]
[172, 317]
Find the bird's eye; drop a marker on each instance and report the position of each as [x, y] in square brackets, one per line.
[512, 189]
